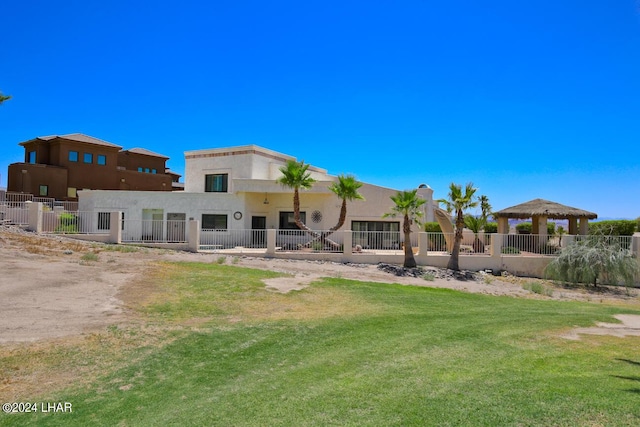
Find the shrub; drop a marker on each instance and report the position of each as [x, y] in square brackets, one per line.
[432, 227]
[491, 227]
[67, 223]
[527, 228]
[621, 227]
[510, 250]
[537, 288]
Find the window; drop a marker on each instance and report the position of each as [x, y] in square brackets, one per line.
[104, 220]
[102, 159]
[73, 156]
[214, 222]
[44, 190]
[146, 170]
[88, 158]
[217, 183]
[287, 222]
[31, 157]
[72, 192]
[140, 170]
[153, 171]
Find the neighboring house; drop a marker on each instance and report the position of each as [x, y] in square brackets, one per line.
[58, 166]
[235, 189]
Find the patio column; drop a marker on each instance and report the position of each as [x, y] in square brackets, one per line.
[573, 226]
[584, 226]
[503, 225]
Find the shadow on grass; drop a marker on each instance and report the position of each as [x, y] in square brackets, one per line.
[629, 378]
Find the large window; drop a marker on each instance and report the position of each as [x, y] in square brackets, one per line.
[104, 220]
[376, 234]
[31, 157]
[73, 156]
[217, 183]
[287, 222]
[214, 222]
[88, 158]
[102, 159]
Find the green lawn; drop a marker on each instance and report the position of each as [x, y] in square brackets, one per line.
[351, 353]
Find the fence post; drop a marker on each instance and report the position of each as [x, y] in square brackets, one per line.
[347, 243]
[271, 241]
[496, 245]
[635, 244]
[115, 227]
[423, 248]
[193, 238]
[35, 217]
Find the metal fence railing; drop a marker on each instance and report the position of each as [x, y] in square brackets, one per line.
[529, 244]
[471, 244]
[154, 231]
[212, 239]
[60, 222]
[309, 241]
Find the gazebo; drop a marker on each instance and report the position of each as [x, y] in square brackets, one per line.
[540, 210]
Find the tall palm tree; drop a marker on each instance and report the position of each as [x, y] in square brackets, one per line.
[296, 176]
[407, 204]
[485, 207]
[459, 202]
[346, 188]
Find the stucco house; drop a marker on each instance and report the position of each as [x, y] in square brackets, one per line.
[235, 188]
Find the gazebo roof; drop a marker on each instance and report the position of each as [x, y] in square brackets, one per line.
[541, 207]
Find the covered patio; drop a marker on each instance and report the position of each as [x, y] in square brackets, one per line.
[540, 210]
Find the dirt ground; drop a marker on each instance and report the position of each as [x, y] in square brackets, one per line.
[50, 288]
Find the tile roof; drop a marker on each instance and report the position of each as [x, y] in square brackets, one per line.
[78, 137]
[146, 152]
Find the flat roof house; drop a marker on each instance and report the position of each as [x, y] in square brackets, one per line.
[57, 166]
[235, 188]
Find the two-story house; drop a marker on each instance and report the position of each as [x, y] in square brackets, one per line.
[235, 188]
[58, 166]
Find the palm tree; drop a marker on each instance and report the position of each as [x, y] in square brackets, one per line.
[4, 98]
[407, 204]
[485, 207]
[296, 176]
[346, 188]
[476, 224]
[458, 202]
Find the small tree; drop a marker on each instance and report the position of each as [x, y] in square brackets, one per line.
[407, 204]
[346, 188]
[476, 224]
[595, 258]
[458, 202]
[4, 98]
[485, 207]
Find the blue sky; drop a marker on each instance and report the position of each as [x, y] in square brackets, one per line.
[524, 99]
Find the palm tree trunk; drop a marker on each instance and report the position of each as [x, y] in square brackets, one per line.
[409, 260]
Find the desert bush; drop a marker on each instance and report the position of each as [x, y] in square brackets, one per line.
[620, 227]
[89, 256]
[596, 258]
[524, 228]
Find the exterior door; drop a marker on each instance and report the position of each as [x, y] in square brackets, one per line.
[258, 231]
[175, 227]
